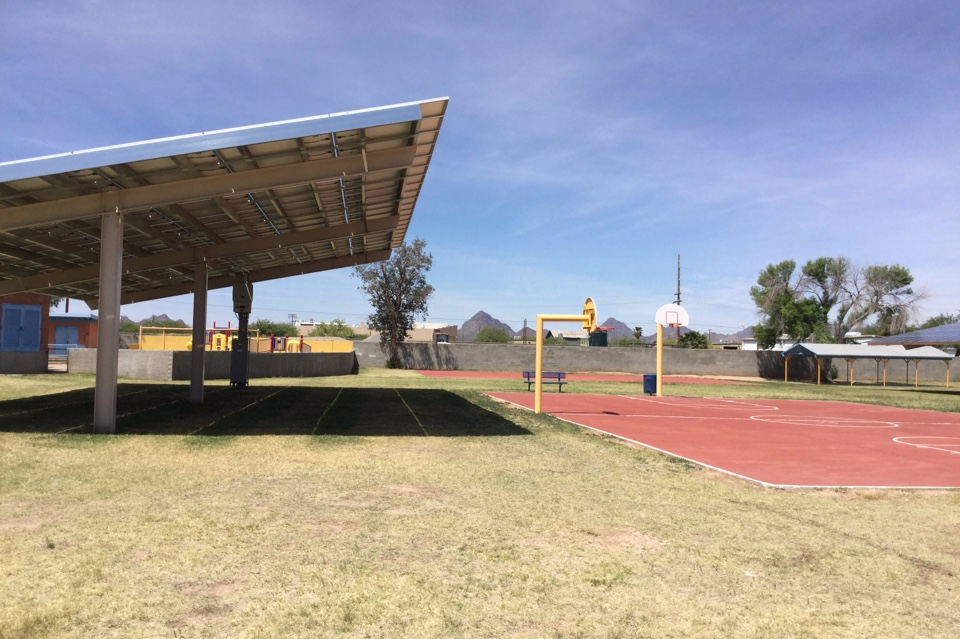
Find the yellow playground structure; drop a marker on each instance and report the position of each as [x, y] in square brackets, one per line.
[160, 338]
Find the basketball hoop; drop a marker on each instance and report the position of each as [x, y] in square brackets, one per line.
[672, 315]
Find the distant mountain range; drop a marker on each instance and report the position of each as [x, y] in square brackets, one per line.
[153, 320]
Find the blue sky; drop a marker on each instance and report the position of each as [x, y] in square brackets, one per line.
[586, 145]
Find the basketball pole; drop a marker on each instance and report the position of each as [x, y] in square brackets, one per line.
[538, 365]
[659, 359]
[670, 315]
[589, 320]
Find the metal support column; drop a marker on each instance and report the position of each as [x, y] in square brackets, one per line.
[198, 351]
[108, 344]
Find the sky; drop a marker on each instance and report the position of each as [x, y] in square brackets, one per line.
[586, 144]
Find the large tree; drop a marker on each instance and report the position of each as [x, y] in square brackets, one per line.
[829, 297]
[783, 308]
[398, 291]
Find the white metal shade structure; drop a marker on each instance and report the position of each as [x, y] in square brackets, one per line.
[852, 352]
[153, 219]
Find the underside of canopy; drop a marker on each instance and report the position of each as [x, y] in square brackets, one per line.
[253, 203]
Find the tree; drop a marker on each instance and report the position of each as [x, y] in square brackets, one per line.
[493, 335]
[829, 298]
[941, 320]
[398, 291]
[269, 327]
[784, 311]
[693, 339]
[336, 328]
[637, 332]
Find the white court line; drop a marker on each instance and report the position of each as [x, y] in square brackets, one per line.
[824, 422]
[754, 479]
[721, 403]
[738, 475]
[952, 448]
[686, 417]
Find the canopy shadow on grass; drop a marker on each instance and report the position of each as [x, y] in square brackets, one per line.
[954, 392]
[164, 409]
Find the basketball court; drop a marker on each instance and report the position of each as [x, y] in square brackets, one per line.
[779, 443]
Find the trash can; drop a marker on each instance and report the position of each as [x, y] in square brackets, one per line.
[650, 384]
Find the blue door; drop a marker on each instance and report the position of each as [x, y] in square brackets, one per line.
[64, 337]
[21, 328]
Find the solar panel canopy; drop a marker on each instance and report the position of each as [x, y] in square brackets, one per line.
[946, 335]
[252, 203]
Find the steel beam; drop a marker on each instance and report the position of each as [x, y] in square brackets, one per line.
[108, 343]
[203, 188]
[198, 351]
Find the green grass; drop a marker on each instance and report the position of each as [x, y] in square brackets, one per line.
[393, 505]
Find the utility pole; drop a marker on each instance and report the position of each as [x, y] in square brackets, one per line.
[678, 292]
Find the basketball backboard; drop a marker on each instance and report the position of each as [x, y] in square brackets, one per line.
[672, 315]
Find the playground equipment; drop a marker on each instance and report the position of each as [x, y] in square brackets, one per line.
[165, 338]
[672, 315]
[589, 319]
[220, 338]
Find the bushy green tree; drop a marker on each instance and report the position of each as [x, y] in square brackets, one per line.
[693, 339]
[269, 327]
[336, 328]
[127, 326]
[492, 335]
[398, 291]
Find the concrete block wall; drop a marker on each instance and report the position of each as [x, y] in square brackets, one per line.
[217, 365]
[518, 357]
[23, 362]
[175, 365]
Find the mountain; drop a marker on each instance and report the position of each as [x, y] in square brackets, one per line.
[155, 320]
[471, 328]
[619, 329]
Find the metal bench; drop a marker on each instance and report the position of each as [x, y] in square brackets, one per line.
[546, 377]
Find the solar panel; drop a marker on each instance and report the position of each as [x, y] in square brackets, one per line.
[946, 335]
[255, 203]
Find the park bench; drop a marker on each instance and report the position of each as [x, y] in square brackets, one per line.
[551, 377]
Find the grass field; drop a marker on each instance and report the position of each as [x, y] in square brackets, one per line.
[392, 505]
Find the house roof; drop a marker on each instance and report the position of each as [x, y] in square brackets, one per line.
[946, 335]
[74, 318]
[255, 203]
[864, 351]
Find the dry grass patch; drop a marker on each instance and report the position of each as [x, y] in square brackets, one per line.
[500, 523]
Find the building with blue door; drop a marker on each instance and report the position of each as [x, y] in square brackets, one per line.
[71, 330]
[24, 319]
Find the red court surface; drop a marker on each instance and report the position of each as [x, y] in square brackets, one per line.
[783, 443]
[579, 377]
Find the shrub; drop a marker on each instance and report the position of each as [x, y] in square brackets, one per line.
[491, 335]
